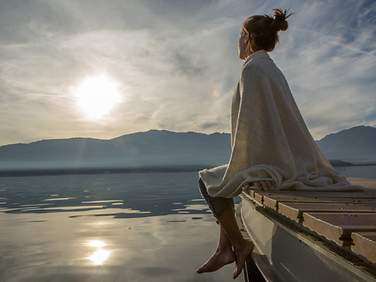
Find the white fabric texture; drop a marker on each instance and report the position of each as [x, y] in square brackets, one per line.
[269, 139]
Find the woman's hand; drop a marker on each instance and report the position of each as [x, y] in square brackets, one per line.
[263, 185]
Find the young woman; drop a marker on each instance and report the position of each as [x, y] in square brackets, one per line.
[257, 36]
[271, 146]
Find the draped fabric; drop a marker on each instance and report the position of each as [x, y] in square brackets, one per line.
[269, 139]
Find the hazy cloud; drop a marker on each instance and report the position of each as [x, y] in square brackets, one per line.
[177, 64]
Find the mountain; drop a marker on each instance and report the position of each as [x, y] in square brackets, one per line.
[164, 148]
[356, 144]
[153, 147]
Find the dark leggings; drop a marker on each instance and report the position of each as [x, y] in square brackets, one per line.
[216, 204]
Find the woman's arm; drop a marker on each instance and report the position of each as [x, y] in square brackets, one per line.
[263, 185]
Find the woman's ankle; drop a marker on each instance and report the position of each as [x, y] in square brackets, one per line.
[240, 244]
[224, 247]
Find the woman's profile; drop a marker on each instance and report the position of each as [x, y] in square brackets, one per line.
[271, 146]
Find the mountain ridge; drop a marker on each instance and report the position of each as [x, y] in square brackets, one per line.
[164, 147]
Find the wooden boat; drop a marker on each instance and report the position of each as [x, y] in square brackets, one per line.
[310, 236]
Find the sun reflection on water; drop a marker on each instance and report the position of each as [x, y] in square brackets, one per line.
[100, 254]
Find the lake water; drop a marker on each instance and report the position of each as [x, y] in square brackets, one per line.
[110, 227]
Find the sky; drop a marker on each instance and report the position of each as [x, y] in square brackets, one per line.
[173, 65]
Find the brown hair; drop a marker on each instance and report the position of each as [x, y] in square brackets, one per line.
[264, 29]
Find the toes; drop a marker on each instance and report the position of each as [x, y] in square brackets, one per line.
[216, 261]
[240, 262]
[239, 267]
[199, 270]
[202, 268]
[237, 271]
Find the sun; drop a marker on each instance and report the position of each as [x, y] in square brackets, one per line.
[96, 95]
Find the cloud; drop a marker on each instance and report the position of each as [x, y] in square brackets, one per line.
[177, 62]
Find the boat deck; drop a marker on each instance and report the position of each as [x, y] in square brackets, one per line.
[339, 226]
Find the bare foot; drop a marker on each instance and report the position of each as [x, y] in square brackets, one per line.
[241, 254]
[217, 260]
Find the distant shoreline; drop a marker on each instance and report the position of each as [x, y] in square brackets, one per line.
[141, 169]
[99, 170]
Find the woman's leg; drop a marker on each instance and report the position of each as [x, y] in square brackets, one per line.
[242, 247]
[223, 210]
[223, 254]
[216, 204]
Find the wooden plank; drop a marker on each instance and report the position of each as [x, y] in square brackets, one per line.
[258, 197]
[308, 195]
[367, 193]
[261, 196]
[294, 210]
[248, 190]
[352, 195]
[365, 245]
[339, 226]
[273, 200]
[252, 193]
[367, 182]
[328, 194]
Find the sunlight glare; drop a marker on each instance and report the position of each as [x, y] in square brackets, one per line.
[96, 95]
[100, 255]
[96, 243]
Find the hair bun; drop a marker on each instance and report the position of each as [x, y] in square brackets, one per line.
[279, 20]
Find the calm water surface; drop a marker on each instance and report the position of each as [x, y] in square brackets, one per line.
[106, 227]
[110, 227]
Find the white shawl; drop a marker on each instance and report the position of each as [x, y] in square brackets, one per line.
[269, 139]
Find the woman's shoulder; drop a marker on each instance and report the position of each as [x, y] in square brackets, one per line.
[252, 68]
[259, 66]
[260, 59]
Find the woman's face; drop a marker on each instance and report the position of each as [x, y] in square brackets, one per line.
[243, 49]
